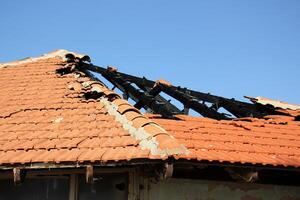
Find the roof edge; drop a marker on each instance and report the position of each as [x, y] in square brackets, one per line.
[59, 53]
[274, 103]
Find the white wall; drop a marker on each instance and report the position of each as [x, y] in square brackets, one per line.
[184, 189]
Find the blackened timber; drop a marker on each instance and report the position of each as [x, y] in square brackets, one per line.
[87, 68]
[149, 83]
[167, 108]
[192, 103]
[248, 109]
[251, 109]
[237, 108]
[172, 108]
[144, 99]
[151, 94]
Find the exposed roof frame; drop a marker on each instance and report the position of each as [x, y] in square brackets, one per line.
[147, 95]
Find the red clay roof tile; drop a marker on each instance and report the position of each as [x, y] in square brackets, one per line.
[256, 141]
[44, 118]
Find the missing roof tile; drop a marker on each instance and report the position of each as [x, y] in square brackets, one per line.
[92, 95]
[63, 71]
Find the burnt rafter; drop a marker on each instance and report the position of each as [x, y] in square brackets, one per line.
[142, 98]
[159, 98]
[146, 100]
[191, 102]
[151, 94]
[147, 95]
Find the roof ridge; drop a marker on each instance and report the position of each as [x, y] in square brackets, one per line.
[59, 53]
[273, 102]
[151, 135]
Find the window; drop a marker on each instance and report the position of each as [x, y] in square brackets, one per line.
[105, 186]
[65, 186]
[37, 188]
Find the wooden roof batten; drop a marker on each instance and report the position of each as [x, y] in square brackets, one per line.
[147, 95]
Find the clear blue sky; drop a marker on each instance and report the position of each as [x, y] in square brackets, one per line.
[230, 48]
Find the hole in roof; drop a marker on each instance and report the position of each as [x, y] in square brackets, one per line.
[113, 96]
[92, 95]
[144, 111]
[131, 101]
[135, 86]
[172, 100]
[102, 79]
[228, 114]
[118, 91]
[63, 71]
[194, 113]
[147, 110]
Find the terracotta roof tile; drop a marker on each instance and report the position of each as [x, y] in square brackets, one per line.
[255, 141]
[44, 117]
[92, 155]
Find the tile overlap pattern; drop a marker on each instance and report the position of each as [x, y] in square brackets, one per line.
[274, 140]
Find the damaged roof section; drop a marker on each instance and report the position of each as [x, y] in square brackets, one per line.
[61, 54]
[274, 103]
[54, 112]
[149, 94]
[48, 117]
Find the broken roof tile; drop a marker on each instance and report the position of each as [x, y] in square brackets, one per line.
[45, 117]
[237, 141]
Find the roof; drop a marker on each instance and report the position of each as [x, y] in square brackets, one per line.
[274, 103]
[45, 117]
[51, 113]
[274, 140]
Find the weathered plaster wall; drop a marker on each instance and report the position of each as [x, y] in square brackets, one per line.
[183, 189]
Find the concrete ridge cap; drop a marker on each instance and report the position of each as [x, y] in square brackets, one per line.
[147, 140]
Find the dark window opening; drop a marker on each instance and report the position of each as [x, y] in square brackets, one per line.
[39, 188]
[105, 186]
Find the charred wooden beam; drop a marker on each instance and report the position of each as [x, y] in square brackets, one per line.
[186, 110]
[151, 94]
[161, 99]
[149, 83]
[116, 79]
[237, 108]
[191, 102]
[148, 101]
[123, 83]
[190, 98]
